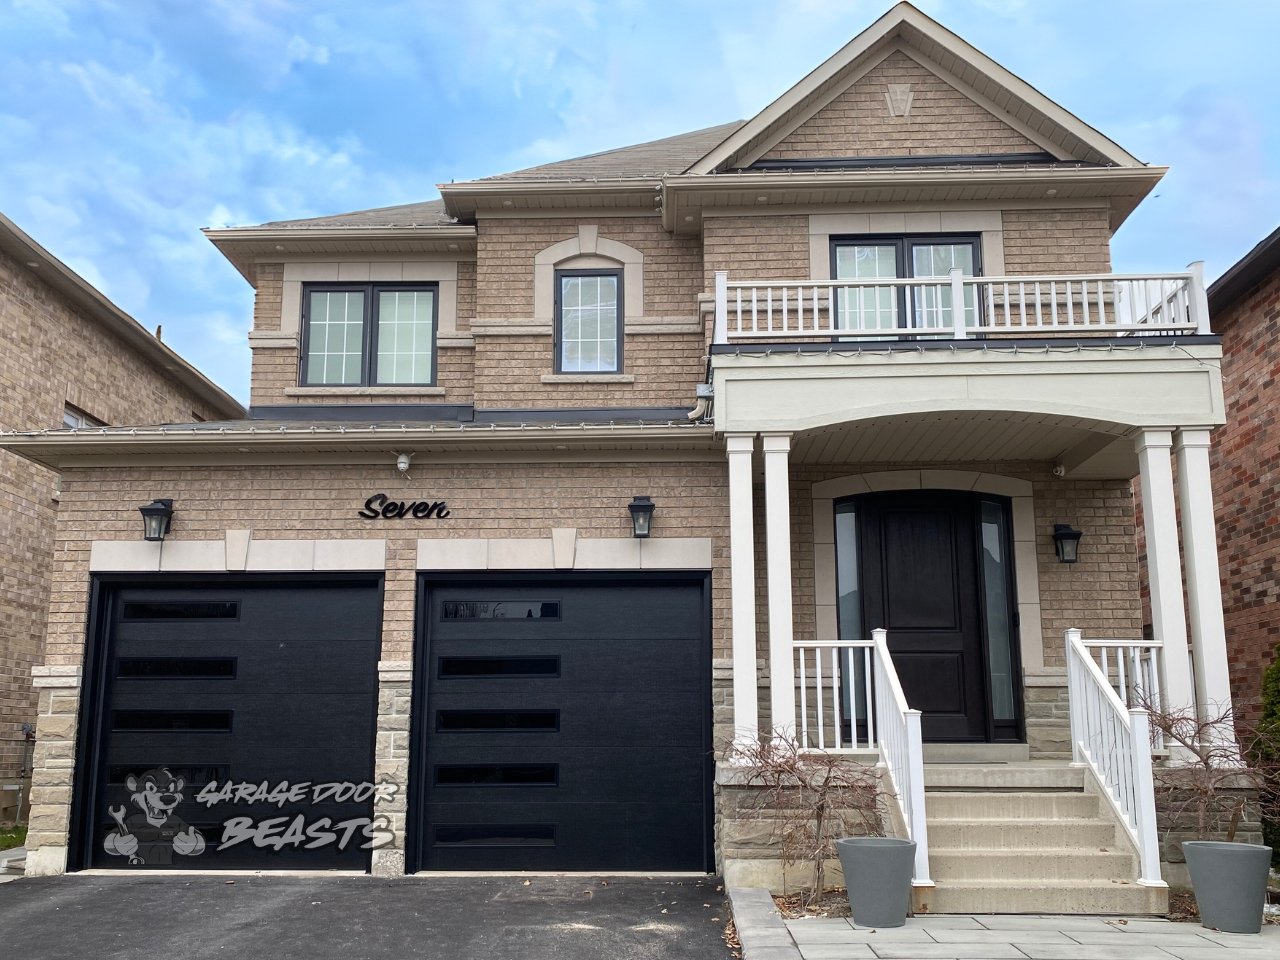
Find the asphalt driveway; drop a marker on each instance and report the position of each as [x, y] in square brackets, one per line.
[352, 918]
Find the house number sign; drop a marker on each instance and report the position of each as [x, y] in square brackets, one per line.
[380, 505]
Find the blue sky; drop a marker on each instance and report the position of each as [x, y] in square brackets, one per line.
[127, 126]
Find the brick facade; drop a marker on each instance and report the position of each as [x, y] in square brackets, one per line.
[942, 120]
[1071, 241]
[1246, 473]
[52, 354]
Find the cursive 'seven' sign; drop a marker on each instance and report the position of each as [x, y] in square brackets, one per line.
[379, 505]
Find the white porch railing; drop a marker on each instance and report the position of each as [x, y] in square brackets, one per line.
[850, 699]
[1114, 740]
[1034, 306]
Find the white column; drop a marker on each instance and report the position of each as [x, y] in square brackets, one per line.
[742, 587]
[1164, 567]
[777, 503]
[1204, 584]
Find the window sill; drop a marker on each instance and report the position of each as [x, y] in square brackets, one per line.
[589, 378]
[364, 391]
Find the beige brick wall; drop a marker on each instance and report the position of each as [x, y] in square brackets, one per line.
[268, 300]
[51, 354]
[1057, 241]
[942, 121]
[493, 500]
[756, 248]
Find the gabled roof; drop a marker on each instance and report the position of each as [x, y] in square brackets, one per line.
[936, 48]
[654, 159]
[98, 309]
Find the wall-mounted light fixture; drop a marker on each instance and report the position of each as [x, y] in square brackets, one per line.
[641, 515]
[1066, 542]
[155, 518]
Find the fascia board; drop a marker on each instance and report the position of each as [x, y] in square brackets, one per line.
[55, 449]
[68, 283]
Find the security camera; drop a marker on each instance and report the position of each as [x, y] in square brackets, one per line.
[402, 462]
[1059, 470]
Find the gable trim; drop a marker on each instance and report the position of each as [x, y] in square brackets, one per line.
[907, 25]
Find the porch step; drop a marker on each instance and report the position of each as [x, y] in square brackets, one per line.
[1027, 838]
[992, 835]
[989, 777]
[1038, 863]
[1049, 896]
[1005, 807]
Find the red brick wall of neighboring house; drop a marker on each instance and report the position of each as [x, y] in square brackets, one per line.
[1246, 470]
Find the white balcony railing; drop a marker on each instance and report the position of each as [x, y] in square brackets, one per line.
[850, 699]
[1114, 740]
[1120, 305]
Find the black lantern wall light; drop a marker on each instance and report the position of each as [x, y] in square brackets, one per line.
[1066, 542]
[155, 518]
[641, 515]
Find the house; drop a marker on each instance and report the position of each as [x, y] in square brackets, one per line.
[71, 360]
[820, 425]
[1243, 308]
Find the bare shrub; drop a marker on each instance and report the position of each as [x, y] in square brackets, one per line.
[810, 799]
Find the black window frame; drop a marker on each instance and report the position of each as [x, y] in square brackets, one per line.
[903, 242]
[369, 338]
[619, 332]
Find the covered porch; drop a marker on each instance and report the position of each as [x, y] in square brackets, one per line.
[841, 453]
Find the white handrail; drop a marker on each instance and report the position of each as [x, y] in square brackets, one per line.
[1114, 741]
[902, 751]
[847, 681]
[1035, 306]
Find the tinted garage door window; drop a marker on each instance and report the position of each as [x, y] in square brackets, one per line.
[236, 728]
[566, 726]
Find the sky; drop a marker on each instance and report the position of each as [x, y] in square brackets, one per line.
[126, 127]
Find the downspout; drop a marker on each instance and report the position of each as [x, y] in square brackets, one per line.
[703, 407]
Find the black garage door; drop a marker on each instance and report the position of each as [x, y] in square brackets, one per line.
[234, 726]
[565, 725]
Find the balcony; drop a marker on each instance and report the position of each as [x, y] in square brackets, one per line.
[1101, 305]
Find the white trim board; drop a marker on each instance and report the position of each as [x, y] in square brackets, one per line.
[237, 552]
[1026, 570]
[565, 550]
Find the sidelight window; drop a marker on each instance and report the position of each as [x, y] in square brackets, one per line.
[995, 580]
[369, 335]
[910, 307]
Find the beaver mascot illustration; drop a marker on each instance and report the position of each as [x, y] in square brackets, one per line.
[152, 837]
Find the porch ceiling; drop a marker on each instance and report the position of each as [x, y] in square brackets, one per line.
[1087, 448]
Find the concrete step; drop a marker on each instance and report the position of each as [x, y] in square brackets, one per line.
[16, 867]
[1077, 896]
[1002, 776]
[1031, 866]
[1026, 834]
[962, 805]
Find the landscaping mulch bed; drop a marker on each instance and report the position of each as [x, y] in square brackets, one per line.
[834, 903]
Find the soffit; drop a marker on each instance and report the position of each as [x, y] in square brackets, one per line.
[948, 438]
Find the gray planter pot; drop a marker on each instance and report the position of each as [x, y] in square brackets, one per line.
[1230, 883]
[877, 874]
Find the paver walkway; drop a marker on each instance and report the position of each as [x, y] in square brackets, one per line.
[1028, 938]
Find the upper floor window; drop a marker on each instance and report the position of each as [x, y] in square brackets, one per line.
[74, 418]
[369, 335]
[889, 307]
[588, 321]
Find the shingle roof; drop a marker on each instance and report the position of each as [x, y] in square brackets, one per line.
[427, 213]
[652, 159]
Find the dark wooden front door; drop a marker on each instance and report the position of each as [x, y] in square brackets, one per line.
[921, 582]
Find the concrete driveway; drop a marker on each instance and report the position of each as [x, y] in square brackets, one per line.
[353, 918]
